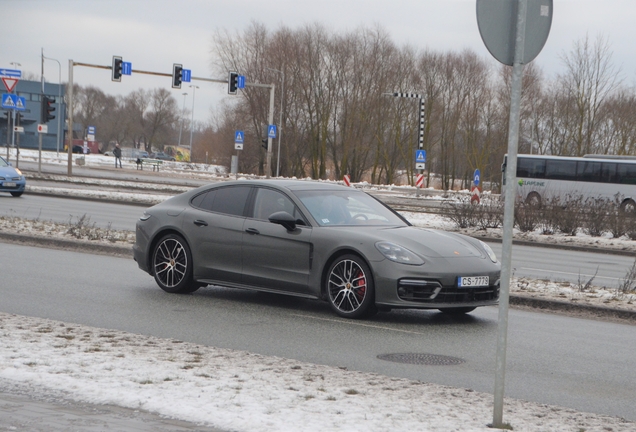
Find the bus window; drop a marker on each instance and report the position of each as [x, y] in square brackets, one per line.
[530, 168]
[560, 170]
[626, 173]
[608, 172]
[589, 171]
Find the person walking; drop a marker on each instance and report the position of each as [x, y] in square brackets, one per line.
[117, 153]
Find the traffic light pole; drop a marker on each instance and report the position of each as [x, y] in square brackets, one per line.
[72, 63]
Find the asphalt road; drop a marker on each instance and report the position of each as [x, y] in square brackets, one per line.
[527, 261]
[583, 364]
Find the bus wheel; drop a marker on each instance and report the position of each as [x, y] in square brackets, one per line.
[533, 199]
[628, 206]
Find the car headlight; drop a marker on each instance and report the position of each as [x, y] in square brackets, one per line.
[489, 251]
[398, 254]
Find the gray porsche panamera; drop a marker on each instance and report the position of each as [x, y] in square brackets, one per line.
[315, 240]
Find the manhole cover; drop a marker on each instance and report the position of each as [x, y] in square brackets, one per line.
[421, 359]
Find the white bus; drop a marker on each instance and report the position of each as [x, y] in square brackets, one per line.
[541, 177]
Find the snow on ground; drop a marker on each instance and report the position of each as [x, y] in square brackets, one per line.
[240, 391]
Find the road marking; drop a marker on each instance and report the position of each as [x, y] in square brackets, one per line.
[359, 324]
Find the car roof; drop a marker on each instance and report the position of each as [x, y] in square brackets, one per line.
[293, 185]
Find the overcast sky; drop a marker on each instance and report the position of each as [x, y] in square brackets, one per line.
[154, 34]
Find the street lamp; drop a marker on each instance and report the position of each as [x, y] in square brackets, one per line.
[15, 64]
[280, 118]
[182, 117]
[59, 100]
[194, 88]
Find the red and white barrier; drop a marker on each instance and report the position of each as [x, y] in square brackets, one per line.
[347, 180]
[419, 182]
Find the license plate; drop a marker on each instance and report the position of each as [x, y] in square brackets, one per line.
[473, 281]
[9, 184]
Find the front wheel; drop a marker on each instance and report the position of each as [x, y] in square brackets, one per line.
[350, 287]
[172, 265]
[16, 194]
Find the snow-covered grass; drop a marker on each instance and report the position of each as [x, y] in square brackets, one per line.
[240, 391]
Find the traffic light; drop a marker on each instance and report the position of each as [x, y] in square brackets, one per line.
[232, 83]
[46, 109]
[264, 145]
[177, 73]
[116, 68]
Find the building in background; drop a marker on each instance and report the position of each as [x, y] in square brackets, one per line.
[29, 119]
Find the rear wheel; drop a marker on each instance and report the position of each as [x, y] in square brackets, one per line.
[350, 287]
[628, 206]
[16, 194]
[172, 265]
[533, 199]
[457, 310]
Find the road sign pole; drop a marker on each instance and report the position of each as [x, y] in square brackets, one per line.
[8, 131]
[69, 107]
[509, 208]
[268, 166]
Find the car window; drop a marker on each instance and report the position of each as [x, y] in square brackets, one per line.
[347, 208]
[227, 200]
[269, 201]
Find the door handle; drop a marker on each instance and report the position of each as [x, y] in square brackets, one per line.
[200, 222]
[252, 231]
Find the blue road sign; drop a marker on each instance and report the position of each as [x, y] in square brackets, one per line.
[20, 103]
[126, 68]
[420, 156]
[186, 75]
[14, 102]
[13, 73]
[239, 137]
[271, 131]
[91, 130]
[240, 81]
[476, 177]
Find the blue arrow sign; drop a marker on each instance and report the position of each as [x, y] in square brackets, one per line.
[239, 137]
[476, 178]
[186, 75]
[14, 73]
[126, 68]
[420, 156]
[271, 131]
[240, 81]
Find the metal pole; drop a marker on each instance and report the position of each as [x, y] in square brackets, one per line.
[182, 117]
[194, 89]
[268, 166]
[509, 208]
[59, 103]
[280, 118]
[70, 118]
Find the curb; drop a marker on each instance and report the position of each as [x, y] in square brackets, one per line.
[580, 309]
[126, 252]
[72, 245]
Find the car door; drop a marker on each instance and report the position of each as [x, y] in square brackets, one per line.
[214, 224]
[274, 257]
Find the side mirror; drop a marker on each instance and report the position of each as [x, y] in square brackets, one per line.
[284, 219]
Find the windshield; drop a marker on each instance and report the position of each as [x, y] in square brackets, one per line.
[3, 163]
[353, 207]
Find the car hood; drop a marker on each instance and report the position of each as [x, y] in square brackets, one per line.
[8, 172]
[432, 243]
